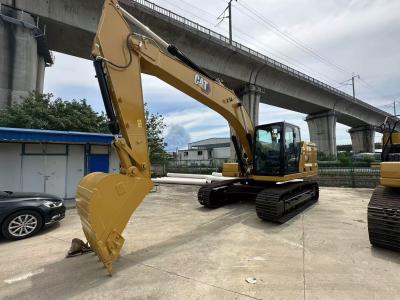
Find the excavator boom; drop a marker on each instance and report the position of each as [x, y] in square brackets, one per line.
[105, 202]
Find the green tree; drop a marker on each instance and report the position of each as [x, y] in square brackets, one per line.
[155, 133]
[321, 156]
[40, 111]
[345, 158]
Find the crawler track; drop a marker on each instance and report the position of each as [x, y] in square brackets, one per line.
[384, 218]
[213, 195]
[275, 203]
[280, 203]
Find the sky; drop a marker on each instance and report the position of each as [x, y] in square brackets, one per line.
[330, 40]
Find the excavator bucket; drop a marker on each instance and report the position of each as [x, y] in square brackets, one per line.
[105, 203]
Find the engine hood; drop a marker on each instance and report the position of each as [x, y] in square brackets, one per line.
[31, 195]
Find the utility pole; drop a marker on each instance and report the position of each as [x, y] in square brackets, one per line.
[394, 108]
[222, 17]
[230, 21]
[352, 83]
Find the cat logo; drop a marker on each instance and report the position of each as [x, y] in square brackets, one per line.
[202, 83]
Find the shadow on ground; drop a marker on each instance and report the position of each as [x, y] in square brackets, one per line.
[385, 254]
[45, 230]
[71, 277]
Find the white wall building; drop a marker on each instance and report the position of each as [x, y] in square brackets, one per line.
[52, 161]
[208, 152]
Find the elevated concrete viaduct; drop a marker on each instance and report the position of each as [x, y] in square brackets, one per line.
[71, 24]
[23, 55]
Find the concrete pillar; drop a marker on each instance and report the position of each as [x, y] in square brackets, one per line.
[20, 63]
[40, 74]
[322, 127]
[250, 96]
[363, 139]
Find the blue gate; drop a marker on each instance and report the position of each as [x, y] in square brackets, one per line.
[98, 163]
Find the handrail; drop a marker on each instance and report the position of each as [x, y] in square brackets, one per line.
[38, 33]
[200, 29]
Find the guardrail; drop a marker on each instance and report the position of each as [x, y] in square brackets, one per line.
[353, 177]
[19, 17]
[247, 51]
[350, 177]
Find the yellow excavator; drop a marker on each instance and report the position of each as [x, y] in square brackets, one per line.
[384, 206]
[270, 158]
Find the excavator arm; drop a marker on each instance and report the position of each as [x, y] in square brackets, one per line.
[106, 202]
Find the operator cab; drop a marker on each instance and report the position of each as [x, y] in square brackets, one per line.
[276, 149]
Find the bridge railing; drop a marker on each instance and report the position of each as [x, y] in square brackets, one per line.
[247, 51]
[19, 17]
[224, 39]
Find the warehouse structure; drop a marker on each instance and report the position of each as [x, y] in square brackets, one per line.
[208, 152]
[52, 161]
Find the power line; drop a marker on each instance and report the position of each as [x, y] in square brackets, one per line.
[293, 40]
[198, 8]
[229, 16]
[351, 82]
[392, 106]
[262, 46]
[189, 12]
[374, 89]
[310, 50]
[281, 55]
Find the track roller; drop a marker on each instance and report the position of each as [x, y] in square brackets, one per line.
[282, 202]
[213, 195]
[384, 218]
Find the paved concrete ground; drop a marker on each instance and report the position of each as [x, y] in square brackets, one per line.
[175, 249]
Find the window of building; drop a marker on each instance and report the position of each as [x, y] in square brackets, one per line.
[185, 153]
[199, 152]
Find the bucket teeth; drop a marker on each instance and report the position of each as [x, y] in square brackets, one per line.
[105, 203]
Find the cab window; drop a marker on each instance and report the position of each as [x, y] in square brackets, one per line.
[267, 154]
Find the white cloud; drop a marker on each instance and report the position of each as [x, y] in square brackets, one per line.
[358, 34]
[191, 118]
[222, 131]
[70, 71]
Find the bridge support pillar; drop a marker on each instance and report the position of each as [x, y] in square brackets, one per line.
[322, 127]
[21, 52]
[250, 96]
[363, 139]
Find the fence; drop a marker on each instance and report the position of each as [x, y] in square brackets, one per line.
[357, 176]
[353, 177]
[187, 167]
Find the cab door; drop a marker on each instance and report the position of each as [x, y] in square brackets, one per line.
[291, 149]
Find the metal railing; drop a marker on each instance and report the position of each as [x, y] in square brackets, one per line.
[30, 22]
[199, 29]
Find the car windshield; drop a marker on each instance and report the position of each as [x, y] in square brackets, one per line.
[4, 193]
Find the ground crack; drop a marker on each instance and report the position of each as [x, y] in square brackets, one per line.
[199, 281]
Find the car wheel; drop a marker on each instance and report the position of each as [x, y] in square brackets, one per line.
[21, 225]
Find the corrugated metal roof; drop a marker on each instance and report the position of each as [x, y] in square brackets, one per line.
[210, 141]
[38, 135]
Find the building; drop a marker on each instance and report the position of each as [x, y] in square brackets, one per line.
[208, 152]
[52, 161]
